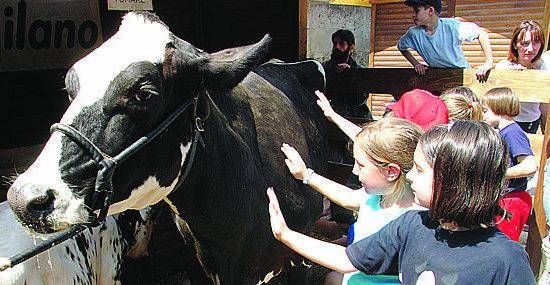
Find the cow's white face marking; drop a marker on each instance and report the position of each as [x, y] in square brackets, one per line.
[136, 40]
[150, 192]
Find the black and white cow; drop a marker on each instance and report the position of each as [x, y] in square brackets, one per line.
[124, 88]
[94, 257]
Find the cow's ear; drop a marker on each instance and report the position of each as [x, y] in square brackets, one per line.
[181, 55]
[226, 68]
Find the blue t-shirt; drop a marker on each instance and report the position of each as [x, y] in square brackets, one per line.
[518, 144]
[479, 256]
[442, 49]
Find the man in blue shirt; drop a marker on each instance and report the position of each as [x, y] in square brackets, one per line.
[438, 40]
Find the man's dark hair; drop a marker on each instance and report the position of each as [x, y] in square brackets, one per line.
[344, 35]
[469, 161]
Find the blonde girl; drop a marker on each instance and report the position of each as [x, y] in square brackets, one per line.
[462, 104]
[383, 152]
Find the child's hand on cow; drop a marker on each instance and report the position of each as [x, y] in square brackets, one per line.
[278, 223]
[324, 103]
[294, 162]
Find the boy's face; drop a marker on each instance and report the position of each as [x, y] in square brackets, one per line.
[422, 15]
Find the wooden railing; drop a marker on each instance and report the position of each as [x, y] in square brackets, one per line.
[529, 85]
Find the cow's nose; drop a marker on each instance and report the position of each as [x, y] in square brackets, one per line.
[32, 203]
[42, 203]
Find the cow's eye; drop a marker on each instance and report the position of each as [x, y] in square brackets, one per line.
[146, 94]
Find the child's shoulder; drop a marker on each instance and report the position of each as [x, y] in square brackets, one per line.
[453, 21]
[508, 249]
[513, 130]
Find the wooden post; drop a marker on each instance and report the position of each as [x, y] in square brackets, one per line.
[546, 22]
[537, 223]
[372, 46]
[302, 29]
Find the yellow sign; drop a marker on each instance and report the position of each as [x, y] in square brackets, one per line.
[364, 3]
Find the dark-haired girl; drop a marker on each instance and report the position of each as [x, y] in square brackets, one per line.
[458, 174]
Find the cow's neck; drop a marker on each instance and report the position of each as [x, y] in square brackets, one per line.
[223, 174]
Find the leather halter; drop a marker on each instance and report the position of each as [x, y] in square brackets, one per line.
[103, 192]
[101, 197]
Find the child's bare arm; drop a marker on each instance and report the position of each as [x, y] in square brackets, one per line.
[484, 69]
[349, 128]
[326, 254]
[338, 193]
[418, 67]
[526, 167]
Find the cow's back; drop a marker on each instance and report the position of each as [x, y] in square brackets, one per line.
[282, 100]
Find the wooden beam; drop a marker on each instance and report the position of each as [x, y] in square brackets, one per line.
[302, 29]
[396, 81]
[535, 91]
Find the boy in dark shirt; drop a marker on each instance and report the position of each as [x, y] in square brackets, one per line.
[500, 105]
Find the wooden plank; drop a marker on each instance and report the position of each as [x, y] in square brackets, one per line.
[395, 81]
[535, 91]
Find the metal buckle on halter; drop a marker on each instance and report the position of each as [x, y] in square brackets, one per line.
[199, 125]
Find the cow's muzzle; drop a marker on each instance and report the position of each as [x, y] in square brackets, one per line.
[33, 204]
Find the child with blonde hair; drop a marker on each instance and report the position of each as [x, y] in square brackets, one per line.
[383, 152]
[462, 104]
[501, 105]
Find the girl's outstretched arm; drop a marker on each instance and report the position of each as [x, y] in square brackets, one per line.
[326, 254]
[526, 167]
[349, 128]
[338, 193]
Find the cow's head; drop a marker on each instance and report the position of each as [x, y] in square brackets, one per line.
[120, 92]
